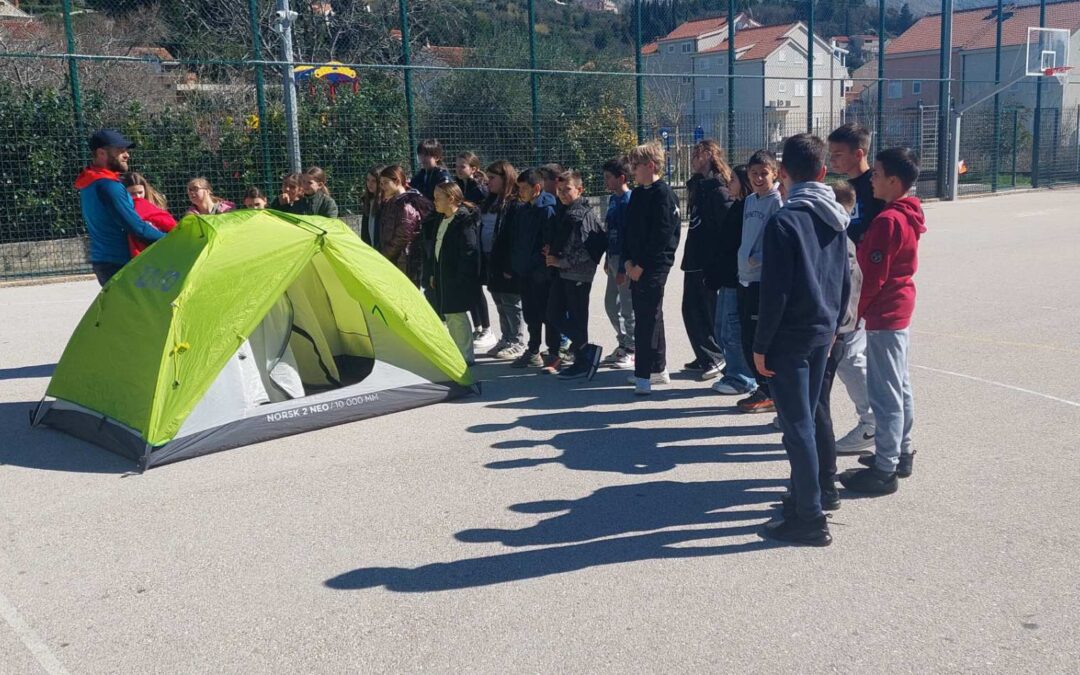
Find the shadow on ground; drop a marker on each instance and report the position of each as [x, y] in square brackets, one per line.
[43, 448]
[27, 372]
[627, 515]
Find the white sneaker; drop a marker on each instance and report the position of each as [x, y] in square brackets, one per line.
[614, 356]
[499, 346]
[710, 373]
[642, 386]
[625, 361]
[655, 378]
[484, 339]
[858, 439]
[728, 389]
[511, 351]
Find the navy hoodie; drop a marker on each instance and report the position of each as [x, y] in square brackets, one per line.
[531, 223]
[805, 280]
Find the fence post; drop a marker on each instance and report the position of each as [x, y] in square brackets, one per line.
[945, 100]
[638, 83]
[731, 81]
[1037, 124]
[406, 60]
[260, 95]
[1077, 132]
[810, 68]
[73, 81]
[534, 83]
[283, 22]
[1015, 142]
[996, 163]
[1056, 139]
[878, 123]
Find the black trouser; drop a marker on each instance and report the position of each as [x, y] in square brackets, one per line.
[534, 300]
[105, 271]
[823, 428]
[647, 295]
[568, 311]
[699, 316]
[481, 317]
[749, 301]
[796, 387]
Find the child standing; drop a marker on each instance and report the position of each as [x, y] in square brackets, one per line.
[432, 172]
[617, 300]
[804, 292]
[759, 207]
[579, 243]
[648, 252]
[403, 210]
[370, 202]
[470, 179]
[889, 257]
[496, 237]
[709, 200]
[527, 261]
[317, 200]
[452, 264]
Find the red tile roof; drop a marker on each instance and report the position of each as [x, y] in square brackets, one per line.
[451, 56]
[758, 42]
[976, 28]
[696, 28]
[650, 48]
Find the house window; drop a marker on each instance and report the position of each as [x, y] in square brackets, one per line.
[671, 49]
[781, 87]
[896, 89]
[705, 95]
[916, 87]
[687, 48]
[800, 89]
[782, 55]
[719, 91]
[817, 89]
[686, 80]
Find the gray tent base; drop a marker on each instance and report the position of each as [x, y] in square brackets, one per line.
[341, 406]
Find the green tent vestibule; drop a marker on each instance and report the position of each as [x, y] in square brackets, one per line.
[243, 327]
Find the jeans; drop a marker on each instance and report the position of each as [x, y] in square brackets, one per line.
[105, 271]
[461, 330]
[749, 305]
[568, 308]
[508, 306]
[824, 436]
[889, 386]
[648, 296]
[729, 336]
[795, 389]
[852, 372]
[619, 305]
[699, 317]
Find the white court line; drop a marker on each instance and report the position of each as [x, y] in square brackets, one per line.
[30, 639]
[999, 384]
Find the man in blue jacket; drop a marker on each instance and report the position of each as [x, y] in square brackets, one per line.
[805, 283]
[107, 207]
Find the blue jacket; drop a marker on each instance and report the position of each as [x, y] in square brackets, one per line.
[531, 223]
[615, 219]
[110, 216]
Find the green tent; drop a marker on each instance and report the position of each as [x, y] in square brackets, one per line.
[243, 327]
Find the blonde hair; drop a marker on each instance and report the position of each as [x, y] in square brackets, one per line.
[201, 182]
[845, 194]
[452, 191]
[131, 179]
[711, 149]
[649, 152]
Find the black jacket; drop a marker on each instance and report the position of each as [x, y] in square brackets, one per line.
[452, 279]
[579, 241]
[474, 192]
[531, 223]
[425, 180]
[500, 263]
[652, 228]
[722, 271]
[709, 202]
[317, 204]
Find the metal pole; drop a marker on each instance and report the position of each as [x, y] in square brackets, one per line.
[283, 22]
[731, 81]
[260, 96]
[1015, 143]
[534, 82]
[73, 81]
[996, 164]
[638, 83]
[1037, 131]
[879, 122]
[810, 69]
[406, 60]
[945, 99]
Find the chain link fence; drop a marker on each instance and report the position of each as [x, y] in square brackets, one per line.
[200, 86]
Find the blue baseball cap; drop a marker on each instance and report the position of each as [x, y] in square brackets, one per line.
[110, 138]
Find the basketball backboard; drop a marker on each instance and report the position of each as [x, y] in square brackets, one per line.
[1047, 50]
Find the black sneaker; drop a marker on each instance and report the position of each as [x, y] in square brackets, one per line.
[693, 365]
[576, 370]
[795, 531]
[528, 360]
[904, 468]
[591, 356]
[758, 402]
[870, 481]
[830, 501]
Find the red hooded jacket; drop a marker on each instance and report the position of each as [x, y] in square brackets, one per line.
[889, 257]
[158, 217]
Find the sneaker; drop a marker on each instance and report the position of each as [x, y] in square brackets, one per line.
[758, 402]
[858, 439]
[591, 355]
[693, 365]
[796, 531]
[614, 356]
[483, 339]
[625, 361]
[575, 371]
[871, 481]
[728, 389]
[903, 468]
[499, 346]
[710, 372]
[510, 350]
[655, 378]
[564, 345]
[568, 358]
[642, 386]
[552, 362]
[528, 360]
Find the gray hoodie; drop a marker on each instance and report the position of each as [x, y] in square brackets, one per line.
[756, 213]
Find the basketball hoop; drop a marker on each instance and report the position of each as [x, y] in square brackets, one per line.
[1060, 72]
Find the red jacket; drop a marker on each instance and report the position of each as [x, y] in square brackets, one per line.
[888, 257]
[158, 217]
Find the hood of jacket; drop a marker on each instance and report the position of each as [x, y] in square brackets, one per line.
[90, 174]
[818, 198]
[911, 212]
